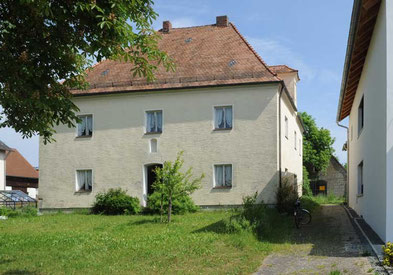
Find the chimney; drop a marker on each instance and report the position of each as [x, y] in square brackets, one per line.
[166, 26]
[222, 21]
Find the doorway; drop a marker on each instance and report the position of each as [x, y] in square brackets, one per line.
[150, 178]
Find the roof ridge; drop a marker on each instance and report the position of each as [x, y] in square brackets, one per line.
[190, 27]
[252, 50]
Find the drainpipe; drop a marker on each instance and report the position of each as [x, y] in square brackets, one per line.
[279, 134]
[347, 185]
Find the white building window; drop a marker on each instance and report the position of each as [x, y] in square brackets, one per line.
[84, 180]
[360, 179]
[154, 121]
[286, 127]
[295, 141]
[361, 116]
[223, 175]
[223, 117]
[85, 127]
[153, 145]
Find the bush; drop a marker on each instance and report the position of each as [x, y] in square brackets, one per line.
[388, 254]
[286, 197]
[306, 183]
[116, 202]
[180, 204]
[28, 211]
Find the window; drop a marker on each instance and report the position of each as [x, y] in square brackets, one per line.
[154, 122]
[85, 128]
[295, 141]
[153, 145]
[361, 116]
[223, 117]
[360, 179]
[223, 176]
[84, 181]
[286, 127]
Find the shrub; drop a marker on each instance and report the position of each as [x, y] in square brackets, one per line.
[306, 183]
[286, 197]
[181, 204]
[115, 202]
[28, 211]
[388, 254]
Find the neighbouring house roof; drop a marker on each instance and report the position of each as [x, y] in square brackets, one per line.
[282, 69]
[364, 17]
[18, 166]
[204, 56]
[4, 147]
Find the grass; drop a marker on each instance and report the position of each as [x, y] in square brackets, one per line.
[91, 244]
[323, 199]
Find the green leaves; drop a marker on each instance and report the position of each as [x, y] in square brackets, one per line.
[42, 45]
[317, 145]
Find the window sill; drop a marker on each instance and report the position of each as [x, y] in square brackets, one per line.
[153, 133]
[359, 195]
[82, 137]
[222, 187]
[83, 192]
[222, 129]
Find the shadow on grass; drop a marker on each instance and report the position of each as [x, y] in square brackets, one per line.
[6, 261]
[145, 221]
[19, 272]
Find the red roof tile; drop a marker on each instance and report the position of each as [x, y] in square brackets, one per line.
[203, 55]
[282, 69]
[18, 166]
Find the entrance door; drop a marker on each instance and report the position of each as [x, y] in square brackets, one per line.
[151, 177]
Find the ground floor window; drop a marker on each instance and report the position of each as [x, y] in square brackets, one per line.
[360, 179]
[84, 181]
[223, 175]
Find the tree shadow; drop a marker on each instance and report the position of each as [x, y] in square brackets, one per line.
[19, 272]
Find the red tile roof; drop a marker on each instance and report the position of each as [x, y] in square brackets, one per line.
[204, 56]
[18, 166]
[282, 69]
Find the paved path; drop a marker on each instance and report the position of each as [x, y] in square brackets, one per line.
[329, 244]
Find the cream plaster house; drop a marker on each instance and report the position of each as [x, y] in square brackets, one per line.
[367, 98]
[234, 117]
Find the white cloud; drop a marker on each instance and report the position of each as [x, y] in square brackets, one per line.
[275, 52]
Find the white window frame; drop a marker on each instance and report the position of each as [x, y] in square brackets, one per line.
[214, 117]
[360, 178]
[92, 125]
[286, 126]
[162, 122]
[214, 175]
[76, 180]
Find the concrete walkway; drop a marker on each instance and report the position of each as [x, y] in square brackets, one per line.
[329, 245]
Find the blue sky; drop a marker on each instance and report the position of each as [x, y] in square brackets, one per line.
[308, 35]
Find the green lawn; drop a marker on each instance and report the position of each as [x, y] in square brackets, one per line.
[90, 244]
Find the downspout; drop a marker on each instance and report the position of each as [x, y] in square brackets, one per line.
[279, 134]
[347, 185]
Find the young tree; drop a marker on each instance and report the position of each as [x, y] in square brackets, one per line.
[171, 182]
[44, 43]
[317, 146]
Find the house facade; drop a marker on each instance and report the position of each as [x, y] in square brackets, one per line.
[4, 150]
[234, 117]
[367, 99]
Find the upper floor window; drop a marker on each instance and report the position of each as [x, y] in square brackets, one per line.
[223, 175]
[85, 127]
[223, 117]
[286, 127]
[361, 116]
[360, 179]
[84, 181]
[154, 121]
[295, 141]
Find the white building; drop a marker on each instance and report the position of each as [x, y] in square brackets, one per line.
[234, 117]
[4, 151]
[367, 98]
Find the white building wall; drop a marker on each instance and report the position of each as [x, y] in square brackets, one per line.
[370, 145]
[292, 157]
[388, 5]
[119, 149]
[2, 170]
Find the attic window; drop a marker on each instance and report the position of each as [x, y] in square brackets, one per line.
[104, 73]
[188, 40]
[232, 63]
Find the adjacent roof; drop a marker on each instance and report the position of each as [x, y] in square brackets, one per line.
[18, 166]
[204, 56]
[4, 147]
[364, 16]
[282, 69]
